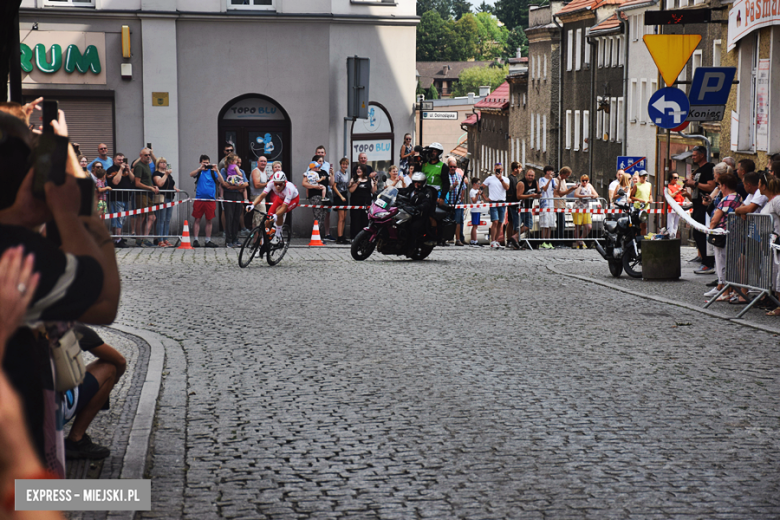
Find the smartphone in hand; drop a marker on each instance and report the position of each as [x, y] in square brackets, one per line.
[49, 160]
[51, 108]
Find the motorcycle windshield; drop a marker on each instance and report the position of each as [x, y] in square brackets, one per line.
[386, 199]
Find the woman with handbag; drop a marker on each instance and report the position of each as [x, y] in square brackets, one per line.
[164, 180]
[729, 202]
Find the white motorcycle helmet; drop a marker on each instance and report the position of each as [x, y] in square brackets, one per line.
[437, 146]
[419, 177]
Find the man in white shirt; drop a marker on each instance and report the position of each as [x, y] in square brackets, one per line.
[613, 186]
[496, 185]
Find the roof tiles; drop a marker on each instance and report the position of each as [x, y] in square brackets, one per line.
[498, 99]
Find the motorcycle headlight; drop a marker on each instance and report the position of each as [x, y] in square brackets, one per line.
[643, 216]
[381, 214]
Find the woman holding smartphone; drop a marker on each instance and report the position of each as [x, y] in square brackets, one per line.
[164, 180]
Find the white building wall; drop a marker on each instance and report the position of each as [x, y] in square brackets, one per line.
[641, 133]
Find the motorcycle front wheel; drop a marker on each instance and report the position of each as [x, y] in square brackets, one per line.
[615, 269]
[421, 252]
[362, 247]
[632, 263]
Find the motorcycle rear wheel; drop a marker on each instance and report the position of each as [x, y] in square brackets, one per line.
[632, 264]
[615, 269]
[421, 252]
[362, 247]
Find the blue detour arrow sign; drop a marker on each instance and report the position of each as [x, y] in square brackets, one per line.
[668, 107]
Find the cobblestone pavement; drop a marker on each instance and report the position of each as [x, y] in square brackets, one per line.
[476, 384]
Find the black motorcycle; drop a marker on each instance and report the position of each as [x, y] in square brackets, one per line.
[623, 240]
[389, 232]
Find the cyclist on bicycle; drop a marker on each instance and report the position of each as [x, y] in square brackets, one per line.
[285, 200]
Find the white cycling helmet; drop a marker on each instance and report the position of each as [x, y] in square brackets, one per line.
[279, 177]
[437, 146]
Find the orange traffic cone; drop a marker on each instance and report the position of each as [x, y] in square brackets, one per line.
[185, 237]
[315, 236]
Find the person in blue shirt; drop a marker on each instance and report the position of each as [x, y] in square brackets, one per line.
[206, 180]
[102, 158]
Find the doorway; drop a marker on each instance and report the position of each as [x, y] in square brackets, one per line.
[255, 125]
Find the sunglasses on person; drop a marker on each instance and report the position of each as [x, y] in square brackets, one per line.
[675, 177]
[584, 181]
[145, 155]
[407, 139]
[102, 148]
[228, 150]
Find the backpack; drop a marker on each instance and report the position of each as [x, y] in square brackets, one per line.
[213, 176]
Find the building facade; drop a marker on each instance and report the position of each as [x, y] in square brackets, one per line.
[751, 42]
[268, 76]
[488, 131]
[519, 117]
[642, 82]
[543, 93]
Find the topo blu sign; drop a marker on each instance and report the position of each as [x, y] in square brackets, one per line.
[375, 149]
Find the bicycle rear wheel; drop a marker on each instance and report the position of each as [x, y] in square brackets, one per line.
[250, 247]
[277, 251]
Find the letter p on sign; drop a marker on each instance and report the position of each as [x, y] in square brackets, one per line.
[711, 85]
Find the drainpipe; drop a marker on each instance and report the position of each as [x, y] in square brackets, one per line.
[593, 66]
[560, 92]
[703, 138]
[624, 24]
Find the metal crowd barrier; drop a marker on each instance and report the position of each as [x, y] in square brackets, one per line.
[749, 265]
[558, 213]
[169, 221]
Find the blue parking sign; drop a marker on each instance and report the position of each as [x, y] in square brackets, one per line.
[668, 107]
[711, 85]
[631, 164]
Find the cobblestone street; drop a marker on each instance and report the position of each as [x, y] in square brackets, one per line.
[477, 384]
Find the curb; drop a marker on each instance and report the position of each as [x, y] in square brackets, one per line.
[134, 463]
[667, 301]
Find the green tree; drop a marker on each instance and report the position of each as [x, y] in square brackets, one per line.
[432, 93]
[471, 79]
[433, 37]
[512, 13]
[443, 7]
[517, 39]
[492, 39]
[484, 8]
[460, 8]
[467, 29]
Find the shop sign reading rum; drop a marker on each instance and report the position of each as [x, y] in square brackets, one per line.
[53, 57]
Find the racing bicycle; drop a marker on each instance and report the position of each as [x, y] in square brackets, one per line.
[258, 244]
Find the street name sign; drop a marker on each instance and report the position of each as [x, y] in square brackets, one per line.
[668, 107]
[706, 113]
[425, 105]
[440, 115]
[631, 164]
[711, 85]
[671, 52]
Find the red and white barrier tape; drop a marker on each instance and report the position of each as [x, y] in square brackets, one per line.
[150, 209]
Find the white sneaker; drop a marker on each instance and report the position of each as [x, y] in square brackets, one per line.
[275, 239]
[494, 245]
[712, 292]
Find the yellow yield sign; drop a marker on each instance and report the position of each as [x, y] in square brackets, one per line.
[671, 52]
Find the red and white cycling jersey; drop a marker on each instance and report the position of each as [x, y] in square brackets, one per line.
[286, 194]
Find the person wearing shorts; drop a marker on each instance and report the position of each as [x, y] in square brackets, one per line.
[84, 402]
[207, 178]
[497, 185]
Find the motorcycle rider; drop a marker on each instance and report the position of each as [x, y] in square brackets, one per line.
[422, 202]
[438, 177]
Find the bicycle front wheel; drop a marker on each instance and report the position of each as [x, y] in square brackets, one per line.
[250, 247]
[277, 251]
